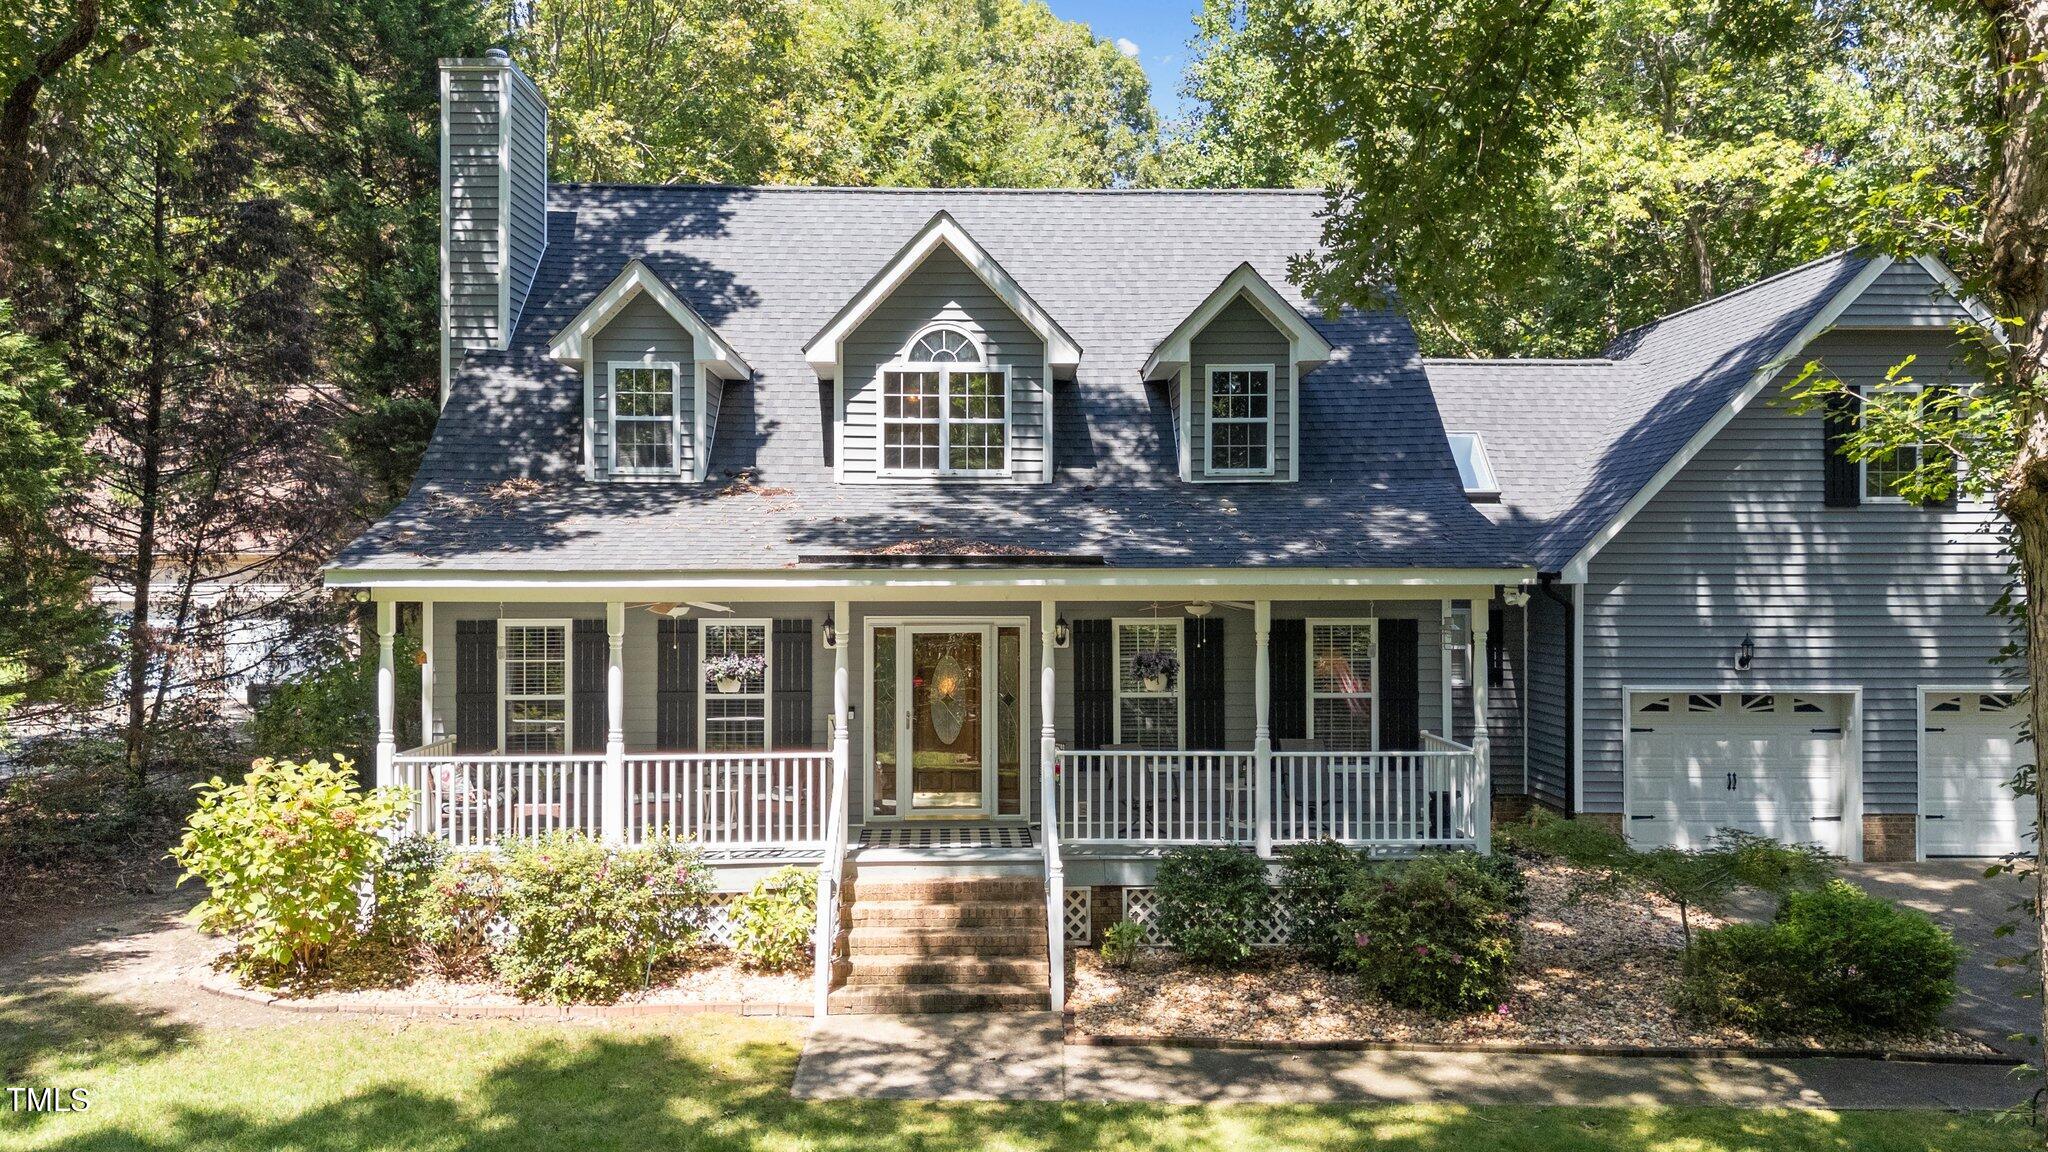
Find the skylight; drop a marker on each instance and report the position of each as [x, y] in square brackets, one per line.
[1474, 469]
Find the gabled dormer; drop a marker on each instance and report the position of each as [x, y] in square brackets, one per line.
[1232, 371]
[942, 368]
[654, 374]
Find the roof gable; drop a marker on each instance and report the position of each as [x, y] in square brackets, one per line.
[822, 352]
[1307, 348]
[573, 343]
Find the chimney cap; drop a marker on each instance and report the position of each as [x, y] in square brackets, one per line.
[498, 54]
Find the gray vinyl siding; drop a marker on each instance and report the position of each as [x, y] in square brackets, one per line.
[639, 656]
[944, 289]
[470, 195]
[1548, 755]
[479, 201]
[643, 330]
[1240, 334]
[1883, 597]
[1902, 296]
[1240, 655]
[1504, 702]
[526, 197]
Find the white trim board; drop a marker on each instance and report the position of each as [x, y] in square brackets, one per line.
[1306, 346]
[574, 343]
[909, 583]
[822, 351]
[1574, 572]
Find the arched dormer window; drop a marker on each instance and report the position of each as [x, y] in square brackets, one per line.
[945, 411]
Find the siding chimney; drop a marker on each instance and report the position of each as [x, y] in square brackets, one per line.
[494, 202]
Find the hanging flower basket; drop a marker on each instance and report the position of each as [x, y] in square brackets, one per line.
[731, 672]
[1155, 670]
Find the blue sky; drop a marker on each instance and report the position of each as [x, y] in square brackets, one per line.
[1154, 31]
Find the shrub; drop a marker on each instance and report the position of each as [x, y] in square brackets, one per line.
[1779, 870]
[1433, 933]
[1507, 872]
[1832, 960]
[1120, 943]
[1313, 880]
[401, 882]
[1211, 902]
[283, 855]
[332, 705]
[76, 815]
[588, 923]
[772, 925]
[458, 915]
[1585, 843]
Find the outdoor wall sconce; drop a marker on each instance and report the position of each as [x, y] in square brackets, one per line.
[1745, 654]
[831, 635]
[1061, 633]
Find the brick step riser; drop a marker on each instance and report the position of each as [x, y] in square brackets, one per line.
[948, 916]
[900, 942]
[896, 971]
[854, 1001]
[949, 891]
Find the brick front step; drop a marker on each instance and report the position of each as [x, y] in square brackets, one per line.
[949, 891]
[898, 941]
[978, 914]
[886, 971]
[858, 998]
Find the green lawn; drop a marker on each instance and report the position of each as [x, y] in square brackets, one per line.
[720, 1083]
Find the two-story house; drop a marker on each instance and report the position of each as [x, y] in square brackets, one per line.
[1006, 538]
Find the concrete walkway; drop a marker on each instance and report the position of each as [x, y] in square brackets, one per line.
[1023, 1056]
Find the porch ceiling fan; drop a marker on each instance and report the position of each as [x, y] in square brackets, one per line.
[682, 608]
[1199, 608]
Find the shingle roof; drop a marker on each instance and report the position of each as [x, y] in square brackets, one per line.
[1573, 441]
[768, 267]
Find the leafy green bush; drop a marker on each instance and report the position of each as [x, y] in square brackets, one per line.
[587, 923]
[284, 854]
[458, 914]
[1585, 843]
[334, 704]
[401, 882]
[77, 815]
[772, 925]
[1831, 961]
[1507, 872]
[1211, 902]
[1433, 933]
[1120, 943]
[1313, 880]
[1773, 868]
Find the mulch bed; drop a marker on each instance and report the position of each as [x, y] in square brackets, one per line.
[1597, 970]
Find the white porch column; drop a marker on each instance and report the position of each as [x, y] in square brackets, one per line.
[1447, 712]
[1482, 743]
[614, 791]
[427, 672]
[387, 692]
[830, 871]
[1262, 728]
[1048, 732]
[1049, 814]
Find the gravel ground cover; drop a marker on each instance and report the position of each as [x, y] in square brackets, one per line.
[1597, 968]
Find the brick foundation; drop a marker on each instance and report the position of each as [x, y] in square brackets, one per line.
[1608, 820]
[1105, 908]
[1889, 838]
[1510, 810]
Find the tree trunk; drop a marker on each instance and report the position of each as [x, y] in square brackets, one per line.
[18, 167]
[156, 368]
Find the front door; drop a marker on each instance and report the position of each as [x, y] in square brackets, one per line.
[943, 713]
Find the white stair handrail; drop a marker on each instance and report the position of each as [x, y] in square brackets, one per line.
[1055, 877]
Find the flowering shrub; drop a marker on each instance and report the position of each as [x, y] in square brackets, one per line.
[588, 923]
[1833, 960]
[284, 854]
[458, 914]
[1145, 665]
[400, 884]
[1433, 933]
[735, 666]
[772, 924]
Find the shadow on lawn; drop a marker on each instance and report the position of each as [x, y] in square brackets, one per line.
[644, 1092]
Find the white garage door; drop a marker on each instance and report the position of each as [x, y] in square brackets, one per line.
[1969, 751]
[1772, 763]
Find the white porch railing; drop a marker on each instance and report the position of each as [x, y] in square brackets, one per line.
[1431, 798]
[728, 800]
[476, 801]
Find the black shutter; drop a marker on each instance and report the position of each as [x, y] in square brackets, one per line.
[1842, 477]
[791, 668]
[476, 685]
[1400, 685]
[675, 685]
[588, 659]
[1287, 672]
[1094, 685]
[1496, 647]
[1203, 642]
[1939, 394]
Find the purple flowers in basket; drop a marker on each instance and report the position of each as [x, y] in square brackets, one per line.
[1155, 665]
[735, 666]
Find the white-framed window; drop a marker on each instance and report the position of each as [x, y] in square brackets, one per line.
[735, 721]
[1240, 407]
[945, 409]
[1475, 467]
[533, 686]
[645, 399]
[1149, 715]
[1883, 474]
[1343, 704]
[1460, 646]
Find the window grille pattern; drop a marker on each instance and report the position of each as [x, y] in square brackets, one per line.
[644, 419]
[1240, 420]
[1341, 676]
[536, 696]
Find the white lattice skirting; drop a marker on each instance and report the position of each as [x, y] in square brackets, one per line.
[1080, 921]
[1140, 905]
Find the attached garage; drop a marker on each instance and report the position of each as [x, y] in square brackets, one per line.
[1778, 764]
[1970, 747]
